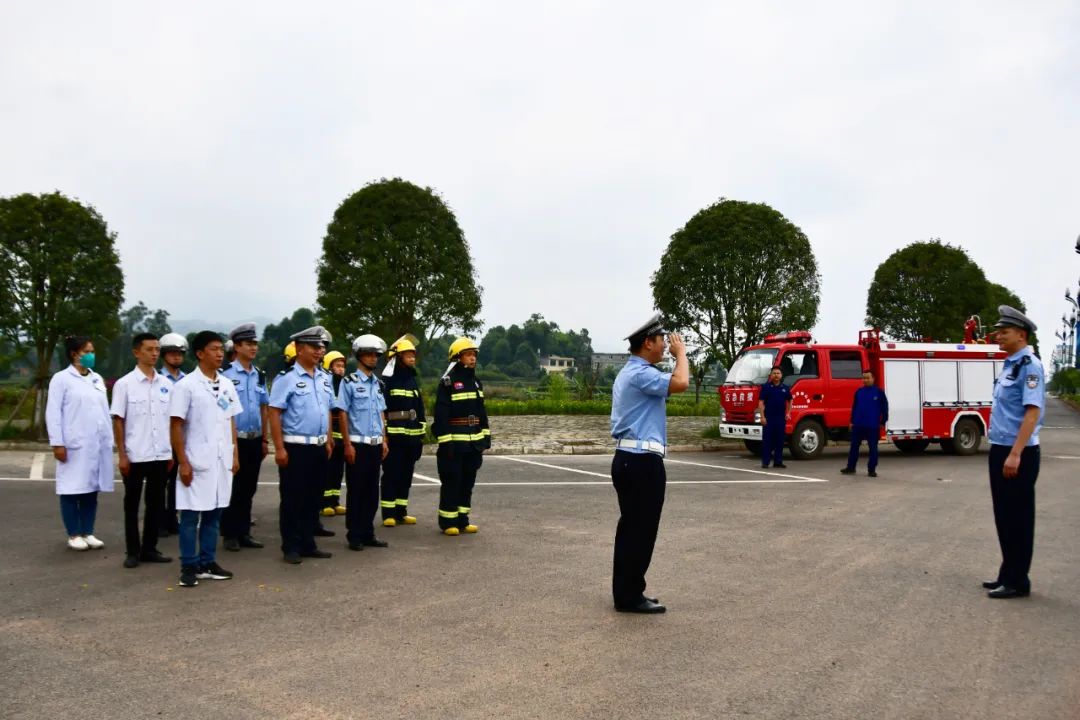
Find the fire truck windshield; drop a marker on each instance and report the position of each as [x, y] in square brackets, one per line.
[752, 367]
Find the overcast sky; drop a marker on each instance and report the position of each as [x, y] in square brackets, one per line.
[570, 138]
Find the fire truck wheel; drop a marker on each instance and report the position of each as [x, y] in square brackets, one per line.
[911, 447]
[808, 440]
[753, 446]
[965, 440]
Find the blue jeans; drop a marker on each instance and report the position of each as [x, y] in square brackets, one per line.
[203, 523]
[858, 435]
[79, 512]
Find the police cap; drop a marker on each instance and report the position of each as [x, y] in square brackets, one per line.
[312, 336]
[243, 332]
[1011, 317]
[652, 327]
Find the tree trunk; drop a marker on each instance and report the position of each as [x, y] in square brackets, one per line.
[18, 406]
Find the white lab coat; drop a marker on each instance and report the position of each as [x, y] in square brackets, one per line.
[77, 418]
[208, 439]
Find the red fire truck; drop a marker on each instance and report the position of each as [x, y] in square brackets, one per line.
[938, 392]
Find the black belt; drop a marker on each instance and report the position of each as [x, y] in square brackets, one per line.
[401, 415]
[470, 420]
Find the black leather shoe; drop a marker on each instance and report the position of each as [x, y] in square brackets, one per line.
[872, 473]
[131, 562]
[782, 466]
[231, 544]
[653, 600]
[1004, 592]
[155, 557]
[847, 471]
[646, 607]
[293, 558]
[323, 532]
[991, 584]
[765, 466]
[375, 542]
[321, 554]
[250, 542]
[356, 546]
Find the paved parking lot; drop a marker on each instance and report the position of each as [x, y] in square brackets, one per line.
[795, 594]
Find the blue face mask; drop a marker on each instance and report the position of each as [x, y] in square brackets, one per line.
[87, 361]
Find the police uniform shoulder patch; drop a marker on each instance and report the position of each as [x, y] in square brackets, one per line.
[282, 372]
[351, 377]
[236, 381]
[262, 376]
[1033, 381]
[301, 384]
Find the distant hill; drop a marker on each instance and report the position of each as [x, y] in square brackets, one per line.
[184, 326]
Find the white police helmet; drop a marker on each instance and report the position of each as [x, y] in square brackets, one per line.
[173, 342]
[368, 344]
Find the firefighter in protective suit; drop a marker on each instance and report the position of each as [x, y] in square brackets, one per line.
[334, 363]
[405, 426]
[461, 429]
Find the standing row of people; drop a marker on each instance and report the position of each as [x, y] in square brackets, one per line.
[210, 430]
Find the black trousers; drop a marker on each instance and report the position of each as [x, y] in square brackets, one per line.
[639, 480]
[236, 519]
[153, 473]
[397, 475]
[335, 466]
[169, 522]
[1014, 513]
[457, 473]
[300, 486]
[362, 489]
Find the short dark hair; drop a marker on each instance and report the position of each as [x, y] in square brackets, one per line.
[73, 344]
[140, 338]
[869, 370]
[638, 341]
[204, 338]
[777, 367]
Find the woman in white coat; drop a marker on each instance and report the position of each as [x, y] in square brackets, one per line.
[80, 432]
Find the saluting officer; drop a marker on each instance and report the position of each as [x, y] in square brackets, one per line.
[1015, 420]
[360, 406]
[461, 428]
[405, 426]
[334, 363]
[639, 426]
[774, 406]
[300, 409]
[252, 437]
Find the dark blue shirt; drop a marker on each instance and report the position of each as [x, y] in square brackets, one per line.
[870, 408]
[776, 398]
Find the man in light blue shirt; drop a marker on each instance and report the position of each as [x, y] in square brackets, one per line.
[252, 436]
[1015, 419]
[361, 408]
[639, 426]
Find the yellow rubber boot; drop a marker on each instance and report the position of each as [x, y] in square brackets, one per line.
[389, 522]
[339, 510]
[451, 531]
[328, 512]
[408, 520]
[471, 528]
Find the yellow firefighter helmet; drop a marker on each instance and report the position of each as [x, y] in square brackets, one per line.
[290, 351]
[461, 345]
[402, 344]
[330, 357]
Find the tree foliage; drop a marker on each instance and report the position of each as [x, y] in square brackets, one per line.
[926, 291]
[735, 272]
[116, 358]
[59, 275]
[275, 337]
[395, 261]
[517, 350]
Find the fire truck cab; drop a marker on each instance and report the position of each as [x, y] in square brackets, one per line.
[938, 392]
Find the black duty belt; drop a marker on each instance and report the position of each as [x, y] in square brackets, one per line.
[401, 415]
[470, 420]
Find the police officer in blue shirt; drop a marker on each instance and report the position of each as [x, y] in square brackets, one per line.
[251, 437]
[639, 426]
[869, 414]
[774, 406]
[361, 408]
[1015, 419]
[301, 402]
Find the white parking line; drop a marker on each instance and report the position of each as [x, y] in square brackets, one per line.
[792, 478]
[429, 479]
[771, 477]
[37, 466]
[549, 465]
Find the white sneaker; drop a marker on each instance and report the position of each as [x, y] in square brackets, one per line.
[93, 542]
[77, 543]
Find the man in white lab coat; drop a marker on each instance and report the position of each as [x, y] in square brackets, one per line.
[203, 434]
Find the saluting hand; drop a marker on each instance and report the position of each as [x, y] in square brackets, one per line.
[676, 344]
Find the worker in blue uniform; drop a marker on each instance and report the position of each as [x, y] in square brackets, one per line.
[869, 414]
[301, 402]
[1015, 420]
[639, 427]
[774, 407]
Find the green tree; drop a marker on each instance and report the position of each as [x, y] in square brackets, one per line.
[275, 337]
[116, 359]
[59, 275]
[735, 272]
[395, 261]
[926, 291]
